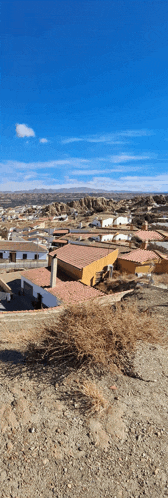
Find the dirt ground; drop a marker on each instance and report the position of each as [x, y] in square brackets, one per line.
[53, 445]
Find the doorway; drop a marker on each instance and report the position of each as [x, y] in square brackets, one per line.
[12, 257]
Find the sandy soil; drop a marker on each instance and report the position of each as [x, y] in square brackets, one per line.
[53, 445]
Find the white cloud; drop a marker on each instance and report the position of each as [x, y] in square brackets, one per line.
[43, 140]
[71, 140]
[136, 133]
[90, 172]
[18, 165]
[22, 130]
[120, 158]
[109, 138]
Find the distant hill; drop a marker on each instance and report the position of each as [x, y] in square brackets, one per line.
[74, 191]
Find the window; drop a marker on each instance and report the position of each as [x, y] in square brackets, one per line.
[36, 256]
[24, 256]
[1, 255]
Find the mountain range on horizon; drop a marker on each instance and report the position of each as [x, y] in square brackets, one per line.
[75, 190]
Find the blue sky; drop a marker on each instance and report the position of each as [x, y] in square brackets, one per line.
[84, 94]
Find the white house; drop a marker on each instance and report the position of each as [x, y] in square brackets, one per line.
[106, 237]
[48, 290]
[122, 220]
[102, 222]
[114, 236]
[122, 236]
[21, 250]
[41, 294]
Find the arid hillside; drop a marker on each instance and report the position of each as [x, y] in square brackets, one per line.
[74, 425]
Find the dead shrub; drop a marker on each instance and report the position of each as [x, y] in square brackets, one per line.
[94, 397]
[161, 279]
[99, 335]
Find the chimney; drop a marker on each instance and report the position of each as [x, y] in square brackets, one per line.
[144, 244]
[110, 270]
[53, 271]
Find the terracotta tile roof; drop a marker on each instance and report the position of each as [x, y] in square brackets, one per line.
[74, 292]
[70, 292]
[39, 276]
[81, 256]
[148, 235]
[52, 253]
[139, 256]
[60, 241]
[6, 245]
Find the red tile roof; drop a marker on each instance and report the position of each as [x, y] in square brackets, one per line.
[39, 276]
[6, 245]
[81, 256]
[148, 235]
[60, 241]
[139, 256]
[69, 292]
[74, 292]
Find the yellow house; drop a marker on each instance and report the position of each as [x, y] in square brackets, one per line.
[139, 257]
[84, 263]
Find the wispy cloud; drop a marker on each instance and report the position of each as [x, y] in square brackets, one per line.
[18, 165]
[70, 140]
[122, 158]
[91, 172]
[109, 138]
[136, 133]
[43, 140]
[23, 130]
[118, 159]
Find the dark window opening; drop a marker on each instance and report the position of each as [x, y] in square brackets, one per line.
[36, 256]
[24, 256]
[1, 255]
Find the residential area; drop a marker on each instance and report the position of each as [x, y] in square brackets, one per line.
[49, 259]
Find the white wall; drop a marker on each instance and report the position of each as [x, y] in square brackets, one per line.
[5, 254]
[48, 299]
[121, 236]
[122, 220]
[107, 222]
[109, 236]
[30, 255]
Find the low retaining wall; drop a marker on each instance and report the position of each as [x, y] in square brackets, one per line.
[103, 300]
[22, 265]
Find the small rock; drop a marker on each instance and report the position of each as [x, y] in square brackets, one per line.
[69, 486]
[3, 475]
[45, 461]
[9, 446]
